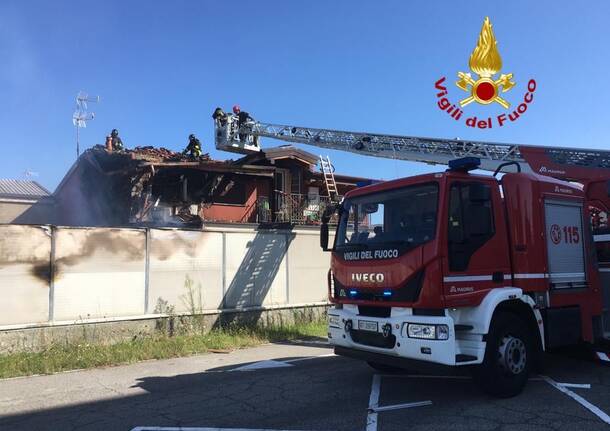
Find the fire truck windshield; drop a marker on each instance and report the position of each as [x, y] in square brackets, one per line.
[402, 216]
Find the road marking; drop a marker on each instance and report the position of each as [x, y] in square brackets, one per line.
[263, 365]
[576, 385]
[403, 406]
[586, 404]
[327, 355]
[425, 376]
[201, 429]
[371, 418]
[271, 363]
[602, 356]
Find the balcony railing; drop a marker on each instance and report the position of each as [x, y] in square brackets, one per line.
[292, 208]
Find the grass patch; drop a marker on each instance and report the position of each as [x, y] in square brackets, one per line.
[58, 358]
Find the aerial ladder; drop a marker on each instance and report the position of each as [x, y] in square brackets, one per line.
[589, 167]
[571, 164]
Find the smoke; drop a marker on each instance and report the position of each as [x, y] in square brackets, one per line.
[72, 249]
[168, 243]
[26, 245]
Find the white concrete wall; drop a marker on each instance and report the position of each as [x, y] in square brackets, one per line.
[25, 259]
[99, 272]
[176, 255]
[108, 273]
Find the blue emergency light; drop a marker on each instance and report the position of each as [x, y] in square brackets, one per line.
[365, 183]
[387, 293]
[465, 164]
[353, 292]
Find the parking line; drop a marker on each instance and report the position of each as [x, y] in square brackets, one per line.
[403, 406]
[306, 358]
[603, 356]
[586, 404]
[576, 385]
[200, 429]
[371, 418]
[425, 376]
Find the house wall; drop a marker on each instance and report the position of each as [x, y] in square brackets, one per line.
[10, 210]
[246, 213]
[26, 211]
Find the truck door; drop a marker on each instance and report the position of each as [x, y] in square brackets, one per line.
[477, 246]
[565, 243]
[601, 235]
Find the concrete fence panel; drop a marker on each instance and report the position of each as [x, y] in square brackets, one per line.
[256, 269]
[65, 274]
[99, 272]
[25, 270]
[308, 268]
[185, 270]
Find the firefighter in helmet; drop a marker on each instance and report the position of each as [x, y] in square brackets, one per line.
[244, 118]
[220, 116]
[193, 148]
[117, 143]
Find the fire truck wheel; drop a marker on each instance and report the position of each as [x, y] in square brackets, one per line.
[508, 357]
[387, 369]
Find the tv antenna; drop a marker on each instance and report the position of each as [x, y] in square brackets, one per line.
[28, 174]
[81, 116]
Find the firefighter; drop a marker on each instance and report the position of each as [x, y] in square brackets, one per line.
[117, 143]
[193, 148]
[220, 116]
[242, 118]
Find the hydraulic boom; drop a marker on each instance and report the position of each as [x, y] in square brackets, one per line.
[573, 164]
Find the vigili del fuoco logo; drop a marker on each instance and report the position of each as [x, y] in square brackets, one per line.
[484, 86]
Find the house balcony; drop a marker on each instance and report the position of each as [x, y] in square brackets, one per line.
[293, 208]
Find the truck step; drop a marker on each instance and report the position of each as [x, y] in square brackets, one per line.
[464, 358]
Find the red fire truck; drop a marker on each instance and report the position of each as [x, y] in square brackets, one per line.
[458, 268]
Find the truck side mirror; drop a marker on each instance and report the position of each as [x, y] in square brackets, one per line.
[326, 215]
[324, 235]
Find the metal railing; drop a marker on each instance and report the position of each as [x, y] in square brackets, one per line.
[292, 208]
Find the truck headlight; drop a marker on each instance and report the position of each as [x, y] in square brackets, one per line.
[427, 332]
[334, 321]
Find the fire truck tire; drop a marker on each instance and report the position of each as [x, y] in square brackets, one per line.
[387, 369]
[508, 357]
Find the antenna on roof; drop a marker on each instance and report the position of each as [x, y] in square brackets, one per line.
[81, 116]
[29, 174]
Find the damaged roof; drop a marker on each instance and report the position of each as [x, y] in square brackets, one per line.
[22, 189]
[142, 157]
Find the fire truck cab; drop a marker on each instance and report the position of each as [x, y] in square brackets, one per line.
[461, 269]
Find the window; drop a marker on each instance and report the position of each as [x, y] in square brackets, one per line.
[471, 222]
[405, 216]
[230, 191]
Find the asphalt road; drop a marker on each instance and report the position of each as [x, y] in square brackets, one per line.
[304, 387]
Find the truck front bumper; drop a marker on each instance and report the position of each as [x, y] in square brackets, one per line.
[390, 336]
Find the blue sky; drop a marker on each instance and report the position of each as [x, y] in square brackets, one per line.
[161, 68]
